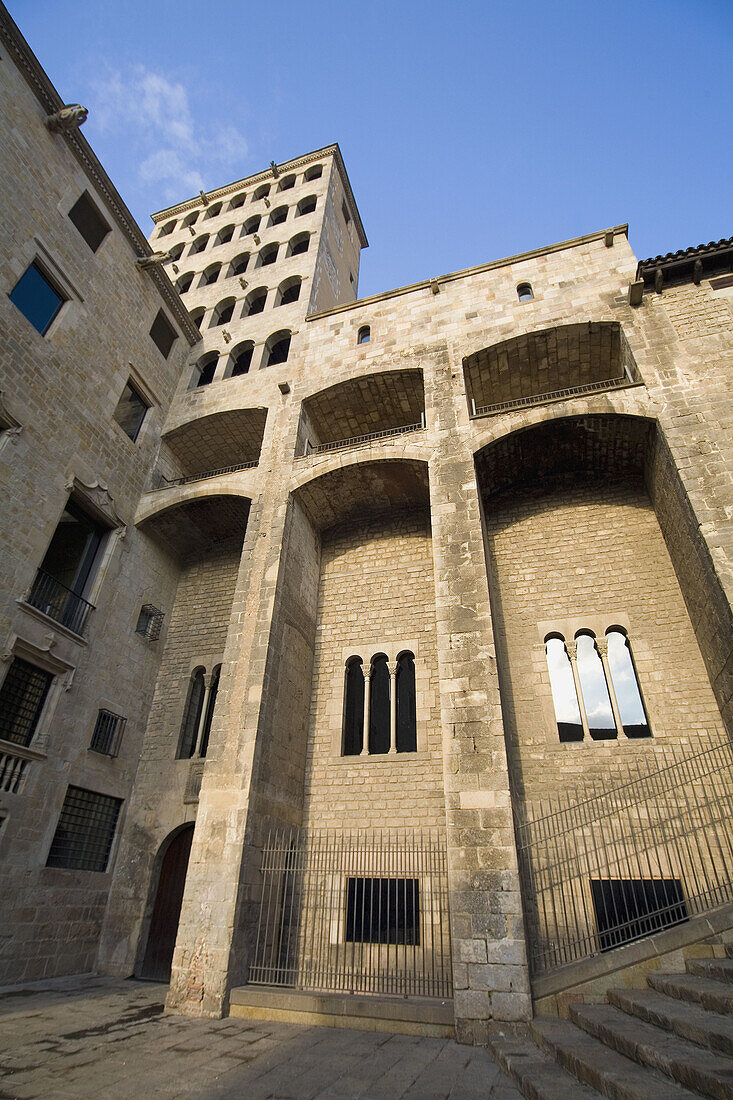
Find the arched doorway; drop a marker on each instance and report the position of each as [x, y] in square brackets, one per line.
[156, 964]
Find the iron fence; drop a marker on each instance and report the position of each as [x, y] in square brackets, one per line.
[362, 912]
[555, 395]
[355, 440]
[160, 481]
[601, 871]
[59, 602]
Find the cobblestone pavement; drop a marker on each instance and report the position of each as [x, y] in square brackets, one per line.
[104, 1038]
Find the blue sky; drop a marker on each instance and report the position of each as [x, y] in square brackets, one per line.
[470, 130]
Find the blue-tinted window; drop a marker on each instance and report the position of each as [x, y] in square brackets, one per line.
[37, 298]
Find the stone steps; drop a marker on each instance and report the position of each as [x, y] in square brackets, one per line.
[536, 1072]
[720, 970]
[707, 1029]
[712, 995]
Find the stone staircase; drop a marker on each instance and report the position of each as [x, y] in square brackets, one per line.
[670, 1041]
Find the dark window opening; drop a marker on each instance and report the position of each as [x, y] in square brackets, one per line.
[353, 732]
[225, 235]
[213, 210]
[307, 205]
[68, 568]
[37, 298]
[286, 183]
[90, 223]
[364, 335]
[314, 172]
[85, 831]
[290, 294]
[239, 264]
[525, 292]
[184, 283]
[277, 217]
[252, 225]
[379, 717]
[261, 192]
[406, 731]
[383, 910]
[279, 352]
[255, 303]
[241, 361]
[630, 909]
[163, 334]
[198, 245]
[191, 715]
[268, 255]
[176, 252]
[299, 245]
[207, 370]
[107, 734]
[345, 212]
[237, 201]
[22, 696]
[130, 411]
[223, 314]
[210, 275]
[167, 228]
[190, 219]
[197, 317]
[209, 714]
[149, 622]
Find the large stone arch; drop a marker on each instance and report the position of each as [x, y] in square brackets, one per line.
[190, 518]
[340, 485]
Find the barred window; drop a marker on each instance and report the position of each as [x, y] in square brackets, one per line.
[108, 732]
[86, 829]
[22, 696]
[149, 622]
[383, 910]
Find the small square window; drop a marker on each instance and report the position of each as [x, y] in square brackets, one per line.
[163, 334]
[37, 298]
[86, 829]
[88, 220]
[345, 212]
[383, 910]
[149, 622]
[130, 411]
[108, 731]
[22, 696]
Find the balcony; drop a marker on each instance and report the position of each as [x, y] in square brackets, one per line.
[160, 481]
[217, 443]
[59, 602]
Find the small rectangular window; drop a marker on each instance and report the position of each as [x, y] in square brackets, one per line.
[630, 909]
[37, 298]
[108, 732]
[345, 212]
[88, 220]
[163, 334]
[86, 829]
[383, 910]
[149, 622]
[130, 411]
[22, 696]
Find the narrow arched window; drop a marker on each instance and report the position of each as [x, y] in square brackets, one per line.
[596, 700]
[406, 706]
[213, 210]
[210, 275]
[209, 713]
[252, 225]
[191, 714]
[175, 253]
[225, 235]
[197, 316]
[299, 244]
[278, 349]
[223, 313]
[314, 172]
[190, 219]
[562, 685]
[626, 685]
[239, 264]
[268, 255]
[364, 335]
[199, 245]
[255, 302]
[352, 740]
[167, 228]
[261, 192]
[288, 292]
[184, 283]
[306, 205]
[278, 216]
[206, 368]
[525, 292]
[241, 359]
[237, 201]
[379, 705]
[286, 183]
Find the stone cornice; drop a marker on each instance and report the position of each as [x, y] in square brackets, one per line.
[467, 272]
[37, 80]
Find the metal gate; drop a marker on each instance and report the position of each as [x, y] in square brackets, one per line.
[363, 912]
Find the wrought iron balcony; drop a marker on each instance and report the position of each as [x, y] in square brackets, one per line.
[160, 481]
[59, 602]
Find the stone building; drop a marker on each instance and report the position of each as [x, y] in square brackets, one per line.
[354, 649]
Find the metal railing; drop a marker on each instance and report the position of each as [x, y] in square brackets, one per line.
[603, 871]
[59, 602]
[355, 440]
[355, 911]
[554, 395]
[160, 481]
[12, 772]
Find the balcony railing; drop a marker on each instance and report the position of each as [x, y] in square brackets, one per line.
[554, 395]
[160, 481]
[355, 440]
[58, 602]
[12, 771]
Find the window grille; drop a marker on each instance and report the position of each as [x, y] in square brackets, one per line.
[150, 622]
[108, 733]
[383, 910]
[22, 696]
[86, 829]
[629, 909]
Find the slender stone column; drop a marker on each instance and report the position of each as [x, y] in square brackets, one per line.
[367, 712]
[392, 706]
[572, 651]
[202, 717]
[602, 644]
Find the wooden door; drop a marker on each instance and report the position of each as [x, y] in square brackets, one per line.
[156, 965]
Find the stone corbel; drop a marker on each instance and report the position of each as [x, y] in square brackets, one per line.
[99, 499]
[70, 117]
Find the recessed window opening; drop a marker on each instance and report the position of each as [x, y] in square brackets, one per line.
[90, 223]
[163, 334]
[630, 909]
[239, 264]
[167, 228]
[62, 584]
[190, 219]
[150, 622]
[353, 725]
[209, 713]
[278, 349]
[286, 183]
[37, 297]
[364, 335]
[225, 235]
[223, 313]
[175, 253]
[22, 697]
[130, 411]
[596, 700]
[107, 734]
[210, 275]
[379, 701]
[206, 369]
[262, 192]
[525, 292]
[199, 244]
[562, 685]
[213, 210]
[277, 217]
[197, 316]
[252, 225]
[306, 205]
[626, 685]
[85, 831]
[241, 359]
[314, 172]
[237, 201]
[345, 212]
[255, 302]
[268, 255]
[406, 731]
[289, 291]
[299, 244]
[383, 910]
[191, 715]
[184, 283]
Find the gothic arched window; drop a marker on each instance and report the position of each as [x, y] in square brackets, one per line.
[209, 714]
[406, 731]
[191, 714]
[379, 705]
[352, 741]
[626, 685]
[562, 685]
[596, 700]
